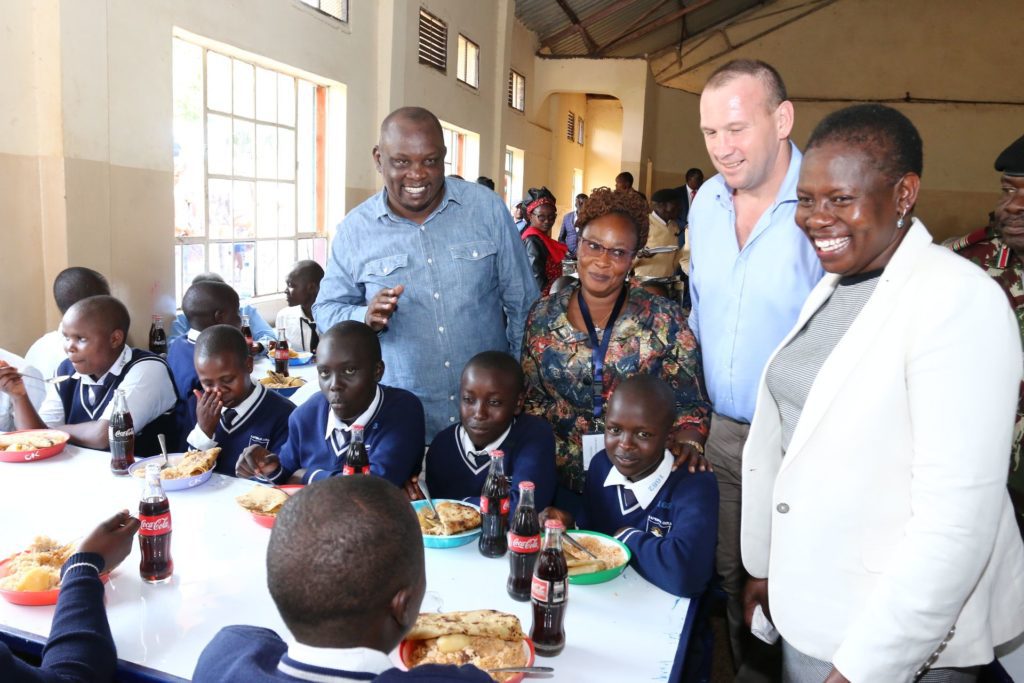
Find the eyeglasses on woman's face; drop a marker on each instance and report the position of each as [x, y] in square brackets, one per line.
[596, 249]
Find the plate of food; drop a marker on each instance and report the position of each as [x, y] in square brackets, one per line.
[264, 502]
[32, 577]
[187, 470]
[282, 384]
[294, 357]
[32, 444]
[458, 523]
[612, 557]
[488, 639]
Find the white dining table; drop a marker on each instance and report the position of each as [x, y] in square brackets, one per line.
[623, 630]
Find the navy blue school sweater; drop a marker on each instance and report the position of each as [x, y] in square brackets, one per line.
[73, 396]
[251, 654]
[264, 423]
[394, 438]
[80, 648]
[529, 456]
[181, 359]
[673, 540]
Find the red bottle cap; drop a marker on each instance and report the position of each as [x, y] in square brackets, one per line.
[497, 454]
[526, 486]
[553, 524]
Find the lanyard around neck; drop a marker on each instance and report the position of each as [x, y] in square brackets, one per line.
[599, 350]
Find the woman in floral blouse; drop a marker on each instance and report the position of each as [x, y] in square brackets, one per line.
[648, 335]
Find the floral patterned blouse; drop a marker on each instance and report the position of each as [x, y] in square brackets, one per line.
[650, 337]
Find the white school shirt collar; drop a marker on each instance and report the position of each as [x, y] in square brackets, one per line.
[466, 445]
[645, 490]
[193, 335]
[243, 408]
[334, 422]
[354, 659]
[115, 369]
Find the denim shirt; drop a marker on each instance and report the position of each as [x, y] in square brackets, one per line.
[745, 300]
[468, 288]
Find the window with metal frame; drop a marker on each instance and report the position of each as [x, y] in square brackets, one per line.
[468, 68]
[249, 170]
[516, 91]
[333, 8]
[579, 130]
[433, 48]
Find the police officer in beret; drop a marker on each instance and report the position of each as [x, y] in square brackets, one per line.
[999, 249]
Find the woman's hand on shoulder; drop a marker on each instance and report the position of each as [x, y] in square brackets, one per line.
[688, 449]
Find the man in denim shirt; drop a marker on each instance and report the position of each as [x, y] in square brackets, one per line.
[436, 266]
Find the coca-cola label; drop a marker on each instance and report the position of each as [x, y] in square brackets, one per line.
[485, 505]
[281, 354]
[523, 544]
[155, 526]
[122, 433]
[349, 470]
[549, 592]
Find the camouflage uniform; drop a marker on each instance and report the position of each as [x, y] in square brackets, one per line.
[984, 248]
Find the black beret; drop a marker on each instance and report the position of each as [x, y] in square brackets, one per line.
[665, 196]
[1011, 161]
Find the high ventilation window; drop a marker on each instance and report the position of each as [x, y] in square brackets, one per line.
[570, 127]
[468, 70]
[516, 91]
[579, 131]
[334, 8]
[433, 41]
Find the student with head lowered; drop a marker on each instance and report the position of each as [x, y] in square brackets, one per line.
[232, 411]
[349, 367]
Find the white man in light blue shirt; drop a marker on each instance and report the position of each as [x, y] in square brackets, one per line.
[751, 269]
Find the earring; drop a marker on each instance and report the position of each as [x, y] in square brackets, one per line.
[899, 221]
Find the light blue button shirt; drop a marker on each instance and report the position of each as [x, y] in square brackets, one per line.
[745, 301]
[468, 288]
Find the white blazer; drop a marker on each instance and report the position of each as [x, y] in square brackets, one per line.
[888, 521]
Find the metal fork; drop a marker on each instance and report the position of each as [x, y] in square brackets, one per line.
[579, 546]
[51, 380]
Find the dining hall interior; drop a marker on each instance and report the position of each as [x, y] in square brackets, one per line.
[155, 141]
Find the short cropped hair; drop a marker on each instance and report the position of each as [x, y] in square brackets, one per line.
[222, 339]
[645, 387]
[763, 71]
[76, 283]
[309, 270]
[203, 299]
[358, 332]
[625, 176]
[417, 115]
[627, 203]
[106, 308]
[498, 361]
[341, 548]
[690, 173]
[888, 137]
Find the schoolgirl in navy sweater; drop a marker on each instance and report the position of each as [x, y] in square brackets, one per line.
[349, 368]
[668, 519]
[491, 394]
[233, 412]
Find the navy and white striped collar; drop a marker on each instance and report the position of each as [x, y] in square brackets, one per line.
[334, 422]
[465, 445]
[245, 408]
[333, 665]
[646, 489]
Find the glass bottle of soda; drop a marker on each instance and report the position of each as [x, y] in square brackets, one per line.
[281, 353]
[155, 529]
[494, 508]
[550, 593]
[157, 336]
[121, 435]
[247, 331]
[523, 544]
[357, 460]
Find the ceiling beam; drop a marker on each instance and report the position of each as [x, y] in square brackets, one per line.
[585, 22]
[629, 36]
[587, 40]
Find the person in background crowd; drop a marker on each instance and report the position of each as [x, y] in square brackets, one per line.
[80, 647]
[624, 181]
[664, 233]
[69, 287]
[568, 234]
[999, 250]
[263, 337]
[918, 568]
[743, 302]
[361, 535]
[486, 182]
[687, 193]
[545, 254]
[519, 216]
[581, 342]
[436, 267]
[35, 388]
[301, 287]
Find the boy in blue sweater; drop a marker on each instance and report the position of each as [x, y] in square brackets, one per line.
[356, 607]
[668, 519]
[232, 411]
[491, 394]
[205, 303]
[349, 367]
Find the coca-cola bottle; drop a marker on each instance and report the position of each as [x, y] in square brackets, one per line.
[157, 336]
[357, 460]
[281, 353]
[550, 593]
[247, 331]
[121, 435]
[155, 529]
[494, 508]
[523, 544]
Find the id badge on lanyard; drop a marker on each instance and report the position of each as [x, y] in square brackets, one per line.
[594, 442]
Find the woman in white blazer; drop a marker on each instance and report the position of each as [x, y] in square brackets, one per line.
[875, 516]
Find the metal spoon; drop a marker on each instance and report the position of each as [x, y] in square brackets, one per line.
[163, 449]
[523, 669]
[430, 501]
[51, 380]
[579, 546]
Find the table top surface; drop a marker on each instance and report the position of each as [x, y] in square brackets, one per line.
[626, 629]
